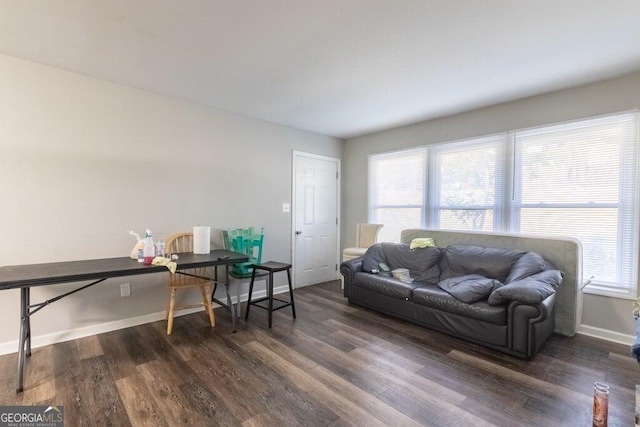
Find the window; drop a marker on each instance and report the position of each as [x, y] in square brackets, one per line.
[577, 179]
[396, 191]
[580, 179]
[467, 184]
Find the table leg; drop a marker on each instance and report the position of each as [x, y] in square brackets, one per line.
[28, 337]
[229, 302]
[238, 295]
[270, 296]
[24, 333]
[246, 310]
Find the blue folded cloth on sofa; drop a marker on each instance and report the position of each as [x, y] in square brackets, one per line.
[635, 347]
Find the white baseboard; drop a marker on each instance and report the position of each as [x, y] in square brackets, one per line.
[72, 334]
[606, 334]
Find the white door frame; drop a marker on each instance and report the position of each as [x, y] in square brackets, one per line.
[338, 162]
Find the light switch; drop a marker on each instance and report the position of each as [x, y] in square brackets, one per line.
[286, 207]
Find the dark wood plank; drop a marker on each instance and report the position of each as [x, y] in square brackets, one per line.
[138, 400]
[164, 384]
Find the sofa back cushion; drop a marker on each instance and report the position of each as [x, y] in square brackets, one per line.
[527, 265]
[422, 263]
[494, 263]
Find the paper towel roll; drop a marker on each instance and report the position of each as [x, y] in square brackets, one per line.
[201, 239]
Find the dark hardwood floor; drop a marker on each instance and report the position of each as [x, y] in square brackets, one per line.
[337, 364]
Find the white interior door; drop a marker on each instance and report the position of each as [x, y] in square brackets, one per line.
[315, 219]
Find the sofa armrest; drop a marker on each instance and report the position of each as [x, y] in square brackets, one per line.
[348, 269]
[531, 313]
[530, 324]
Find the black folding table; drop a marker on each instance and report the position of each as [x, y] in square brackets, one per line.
[24, 277]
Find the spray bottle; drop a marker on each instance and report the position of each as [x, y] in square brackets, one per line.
[149, 250]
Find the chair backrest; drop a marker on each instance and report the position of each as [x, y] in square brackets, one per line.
[367, 234]
[183, 243]
[179, 243]
[245, 241]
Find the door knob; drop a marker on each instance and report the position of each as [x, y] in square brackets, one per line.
[298, 232]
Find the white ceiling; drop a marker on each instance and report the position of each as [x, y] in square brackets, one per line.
[337, 67]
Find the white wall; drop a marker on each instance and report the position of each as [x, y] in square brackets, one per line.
[83, 160]
[609, 317]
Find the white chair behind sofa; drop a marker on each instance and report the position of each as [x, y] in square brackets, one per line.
[366, 236]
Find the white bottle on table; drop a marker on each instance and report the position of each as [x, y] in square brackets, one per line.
[149, 249]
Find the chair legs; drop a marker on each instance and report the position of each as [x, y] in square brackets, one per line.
[172, 304]
[293, 305]
[206, 302]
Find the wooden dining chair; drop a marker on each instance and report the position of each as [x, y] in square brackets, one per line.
[185, 279]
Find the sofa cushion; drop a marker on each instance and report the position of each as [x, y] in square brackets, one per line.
[530, 290]
[528, 264]
[469, 288]
[373, 257]
[385, 285]
[434, 297]
[494, 263]
[422, 263]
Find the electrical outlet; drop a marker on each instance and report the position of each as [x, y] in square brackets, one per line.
[125, 289]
